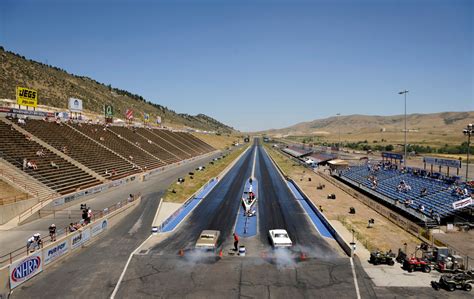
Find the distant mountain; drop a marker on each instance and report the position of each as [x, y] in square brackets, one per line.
[437, 127]
[55, 86]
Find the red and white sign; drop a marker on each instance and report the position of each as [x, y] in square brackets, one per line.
[129, 114]
[462, 203]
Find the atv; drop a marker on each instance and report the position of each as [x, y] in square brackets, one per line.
[379, 257]
[452, 282]
[416, 264]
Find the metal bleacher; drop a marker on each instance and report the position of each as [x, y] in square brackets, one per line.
[437, 200]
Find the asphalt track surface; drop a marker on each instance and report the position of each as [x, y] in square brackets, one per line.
[94, 271]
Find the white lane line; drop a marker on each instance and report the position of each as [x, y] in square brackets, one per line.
[254, 162]
[117, 286]
[355, 278]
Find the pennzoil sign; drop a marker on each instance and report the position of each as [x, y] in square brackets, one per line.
[26, 97]
[26, 268]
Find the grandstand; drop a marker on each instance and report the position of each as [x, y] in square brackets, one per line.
[15, 147]
[427, 197]
[70, 156]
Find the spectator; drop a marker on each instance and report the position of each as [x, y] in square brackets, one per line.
[54, 165]
[25, 163]
[89, 215]
[102, 138]
[236, 242]
[21, 121]
[34, 243]
[64, 149]
[52, 232]
[40, 153]
[423, 192]
[32, 165]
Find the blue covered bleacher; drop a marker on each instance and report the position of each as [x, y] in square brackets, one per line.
[438, 194]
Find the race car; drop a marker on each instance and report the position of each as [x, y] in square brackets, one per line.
[208, 240]
[279, 238]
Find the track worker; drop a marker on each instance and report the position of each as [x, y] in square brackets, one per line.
[236, 242]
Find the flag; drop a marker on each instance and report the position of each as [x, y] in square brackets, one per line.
[129, 114]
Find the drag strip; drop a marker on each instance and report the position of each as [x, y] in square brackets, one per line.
[216, 212]
[279, 208]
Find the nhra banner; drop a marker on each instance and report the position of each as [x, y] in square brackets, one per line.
[26, 97]
[462, 203]
[26, 268]
[442, 162]
[53, 253]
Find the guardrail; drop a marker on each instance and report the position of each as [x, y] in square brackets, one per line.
[22, 251]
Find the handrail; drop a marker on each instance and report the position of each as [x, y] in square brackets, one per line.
[23, 251]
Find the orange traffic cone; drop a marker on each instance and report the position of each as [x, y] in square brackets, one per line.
[181, 252]
[220, 253]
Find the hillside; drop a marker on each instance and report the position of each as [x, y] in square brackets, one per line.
[430, 129]
[55, 86]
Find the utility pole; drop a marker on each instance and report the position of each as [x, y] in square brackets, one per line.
[405, 157]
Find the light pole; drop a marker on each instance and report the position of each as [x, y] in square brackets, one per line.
[339, 125]
[405, 157]
[468, 132]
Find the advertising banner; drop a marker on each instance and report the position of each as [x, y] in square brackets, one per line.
[146, 117]
[30, 112]
[25, 268]
[75, 105]
[109, 111]
[462, 203]
[80, 238]
[442, 162]
[26, 97]
[392, 156]
[99, 227]
[53, 253]
[158, 120]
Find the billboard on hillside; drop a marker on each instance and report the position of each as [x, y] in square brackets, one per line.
[109, 111]
[26, 97]
[75, 105]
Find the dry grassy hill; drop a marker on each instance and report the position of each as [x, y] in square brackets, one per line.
[55, 86]
[429, 129]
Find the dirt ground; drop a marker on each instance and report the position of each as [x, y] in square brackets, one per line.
[384, 235]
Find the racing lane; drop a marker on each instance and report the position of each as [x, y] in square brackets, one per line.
[217, 211]
[279, 208]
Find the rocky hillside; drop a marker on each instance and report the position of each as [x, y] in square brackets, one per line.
[55, 86]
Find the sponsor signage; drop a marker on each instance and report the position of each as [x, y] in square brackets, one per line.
[75, 105]
[53, 253]
[462, 203]
[26, 97]
[158, 120]
[109, 111]
[392, 156]
[146, 117]
[30, 112]
[26, 268]
[129, 114]
[99, 227]
[80, 238]
[442, 162]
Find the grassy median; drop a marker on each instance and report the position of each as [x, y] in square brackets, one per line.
[182, 191]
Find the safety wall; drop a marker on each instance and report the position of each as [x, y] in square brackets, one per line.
[23, 269]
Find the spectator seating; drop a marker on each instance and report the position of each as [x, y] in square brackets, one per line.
[204, 147]
[153, 148]
[119, 145]
[173, 137]
[14, 147]
[165, 143]
[86, 151]
[439, 196]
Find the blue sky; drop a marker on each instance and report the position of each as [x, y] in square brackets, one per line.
[259, 64]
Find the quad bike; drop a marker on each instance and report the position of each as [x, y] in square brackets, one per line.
[452, 282]
[379, 257]
[416, 264]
